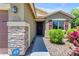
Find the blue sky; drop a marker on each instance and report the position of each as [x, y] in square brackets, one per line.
[67, 7]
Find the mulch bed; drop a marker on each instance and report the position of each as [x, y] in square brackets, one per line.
[56, 49]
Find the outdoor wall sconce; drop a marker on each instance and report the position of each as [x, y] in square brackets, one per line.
[14, 9]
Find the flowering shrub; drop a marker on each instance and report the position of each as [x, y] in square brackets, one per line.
[75, 52]
[74, 37]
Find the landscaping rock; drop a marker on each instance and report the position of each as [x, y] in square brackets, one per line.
[56, 49]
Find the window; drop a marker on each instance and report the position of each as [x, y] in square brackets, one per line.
[58, 24]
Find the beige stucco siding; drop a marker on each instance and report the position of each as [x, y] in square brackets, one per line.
[40, 19]
[28, 17]
[19, 16]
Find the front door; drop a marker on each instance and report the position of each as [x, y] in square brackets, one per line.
[39, 28]
[3, 32]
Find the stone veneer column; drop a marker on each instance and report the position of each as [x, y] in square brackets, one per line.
[17, 37]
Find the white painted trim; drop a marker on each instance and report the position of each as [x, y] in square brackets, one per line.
[59, 19]
[58, 22]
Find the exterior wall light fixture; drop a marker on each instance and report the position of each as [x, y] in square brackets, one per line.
[14, 9]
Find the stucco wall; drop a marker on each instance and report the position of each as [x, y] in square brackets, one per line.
[28, 17]
[39, 20]
[19, 16]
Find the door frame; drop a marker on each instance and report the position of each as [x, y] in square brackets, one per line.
[43, 22]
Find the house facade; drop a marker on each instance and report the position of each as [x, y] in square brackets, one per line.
[20, 23]
[19, 28]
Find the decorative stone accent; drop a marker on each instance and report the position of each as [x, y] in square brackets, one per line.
[17, 38]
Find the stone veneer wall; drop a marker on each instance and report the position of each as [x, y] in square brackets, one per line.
[17, 37]
[18, 28]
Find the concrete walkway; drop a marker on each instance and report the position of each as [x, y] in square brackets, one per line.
[39, 48]
[4, 55]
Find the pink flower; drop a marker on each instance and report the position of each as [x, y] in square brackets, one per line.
[74, 37]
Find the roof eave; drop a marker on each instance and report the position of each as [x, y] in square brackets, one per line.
[69, 15]
[33, 9]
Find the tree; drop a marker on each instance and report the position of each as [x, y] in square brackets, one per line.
[75, 22]
[75, 12]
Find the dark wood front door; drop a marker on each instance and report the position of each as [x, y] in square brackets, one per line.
[3, 32]
[39, 28]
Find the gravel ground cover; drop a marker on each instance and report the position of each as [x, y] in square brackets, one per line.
[56, 49]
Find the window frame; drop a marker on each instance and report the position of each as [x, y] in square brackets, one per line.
[58, 22]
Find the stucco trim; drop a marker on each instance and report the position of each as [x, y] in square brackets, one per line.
[17, 24]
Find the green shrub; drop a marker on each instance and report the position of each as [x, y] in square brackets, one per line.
[69, 31]
[77, 22]
[56, 35]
